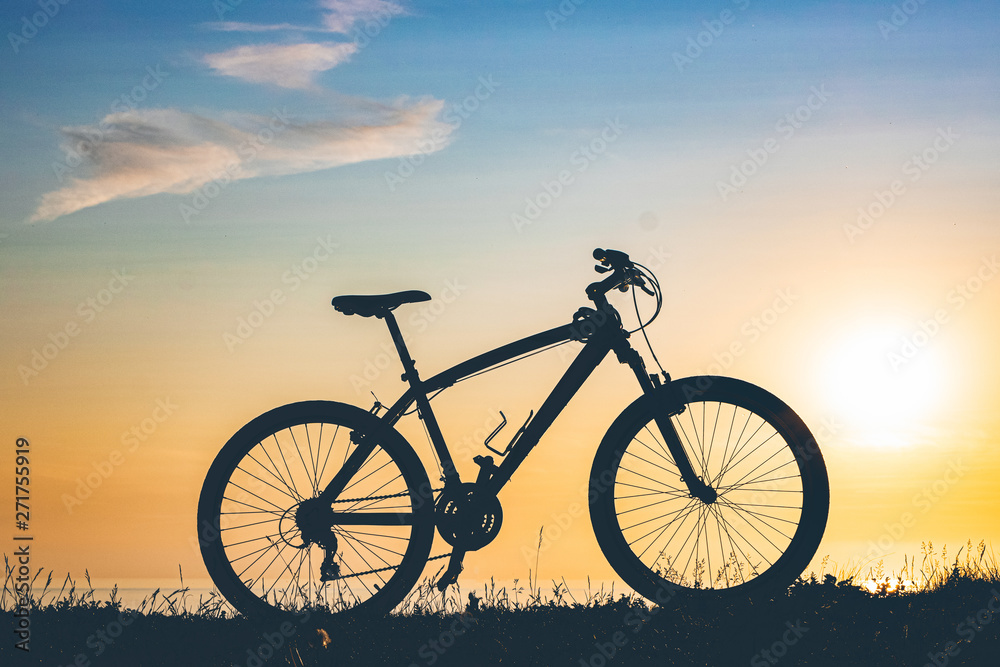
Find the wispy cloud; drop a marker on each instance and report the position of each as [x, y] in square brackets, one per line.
[239, 26]
[288, 66]
[339, 16]
[152, 151]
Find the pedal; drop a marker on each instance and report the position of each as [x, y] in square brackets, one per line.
[329, 569]
[450, 575]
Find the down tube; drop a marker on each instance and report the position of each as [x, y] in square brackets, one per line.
[589, 358]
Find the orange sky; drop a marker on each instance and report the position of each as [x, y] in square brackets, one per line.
[852, 272]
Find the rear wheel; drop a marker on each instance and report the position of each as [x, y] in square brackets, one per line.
[272, 545]
[758, 530]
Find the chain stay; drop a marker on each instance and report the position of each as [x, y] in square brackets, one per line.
[383, 569]
[390, 567]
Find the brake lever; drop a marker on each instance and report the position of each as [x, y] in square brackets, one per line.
[636, 279]
[600, 268]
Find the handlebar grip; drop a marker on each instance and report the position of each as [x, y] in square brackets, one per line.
[616, 259]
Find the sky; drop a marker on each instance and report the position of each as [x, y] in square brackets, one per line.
[814, 184]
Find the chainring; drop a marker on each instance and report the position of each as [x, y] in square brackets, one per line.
[466, 521]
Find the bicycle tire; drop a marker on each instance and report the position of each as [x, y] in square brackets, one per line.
[645, 497]
[246, 514]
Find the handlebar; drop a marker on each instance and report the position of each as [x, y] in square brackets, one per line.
[612, 259]
[624, 273]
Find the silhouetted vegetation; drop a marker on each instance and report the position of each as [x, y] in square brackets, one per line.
[852, 616]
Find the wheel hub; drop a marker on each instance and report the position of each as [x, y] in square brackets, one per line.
[703, 492]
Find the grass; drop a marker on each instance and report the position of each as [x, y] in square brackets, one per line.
[857, 614]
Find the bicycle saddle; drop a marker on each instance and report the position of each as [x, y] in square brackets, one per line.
[377, 304]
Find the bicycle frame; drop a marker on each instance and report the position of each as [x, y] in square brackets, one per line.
[600, 330]
[592, 354]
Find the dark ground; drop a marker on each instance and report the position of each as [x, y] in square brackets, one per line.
[813, 625]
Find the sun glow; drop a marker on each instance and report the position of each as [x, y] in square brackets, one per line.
[874, 387]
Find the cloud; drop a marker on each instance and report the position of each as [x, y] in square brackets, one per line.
[341, 15]
[153, 151]
[288, 66]
[239, 26]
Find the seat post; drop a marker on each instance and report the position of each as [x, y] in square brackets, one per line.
[409, 368]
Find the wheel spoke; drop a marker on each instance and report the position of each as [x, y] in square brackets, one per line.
[744, 454]
[378, 541]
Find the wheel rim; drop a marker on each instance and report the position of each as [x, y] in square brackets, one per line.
[718, 545]
[261, 547]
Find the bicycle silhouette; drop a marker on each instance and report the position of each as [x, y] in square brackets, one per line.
[707, 485]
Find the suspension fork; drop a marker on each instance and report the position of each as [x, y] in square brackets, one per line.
[696, 486]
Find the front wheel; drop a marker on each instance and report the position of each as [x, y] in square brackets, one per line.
[758, 530]
[273, 545]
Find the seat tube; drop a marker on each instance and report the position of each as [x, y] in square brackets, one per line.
[411, 377]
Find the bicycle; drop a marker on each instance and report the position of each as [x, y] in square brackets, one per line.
[708, 485]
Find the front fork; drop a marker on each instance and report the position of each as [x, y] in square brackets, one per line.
[697, 487]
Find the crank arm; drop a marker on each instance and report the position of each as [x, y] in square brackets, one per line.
[455, 567]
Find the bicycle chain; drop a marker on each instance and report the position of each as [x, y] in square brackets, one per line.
[391, 567]
[393, 495]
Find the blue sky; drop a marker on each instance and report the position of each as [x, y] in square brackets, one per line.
[643, 146]
[596, 64]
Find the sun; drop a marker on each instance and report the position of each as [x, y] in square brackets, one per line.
[875, 381]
